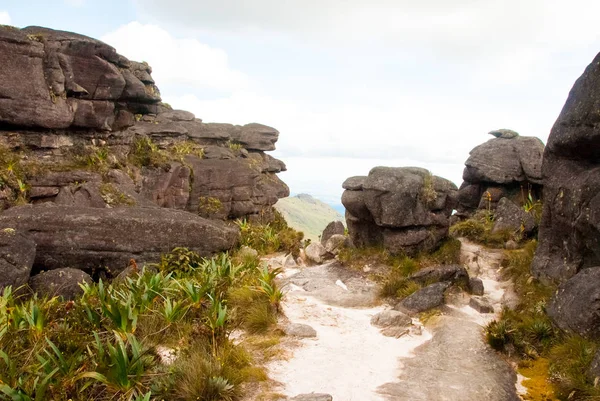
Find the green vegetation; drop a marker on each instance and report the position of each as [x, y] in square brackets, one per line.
[13, 177]
[395, 269]
[108, 343]
[235, 146]
[428, 194]
[185, 148]
[209, 206]
[555, 362]
[114, 197]
[145, 153]
[307, 214]
[275, 236]
[479, 229]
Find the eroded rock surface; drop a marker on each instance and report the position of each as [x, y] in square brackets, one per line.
[17, 253]
[405, 209]
[569, 235]
[505, 166]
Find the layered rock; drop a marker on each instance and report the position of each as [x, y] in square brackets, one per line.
[505, 166]
[83, 128]
[569, 234]
[405, 209]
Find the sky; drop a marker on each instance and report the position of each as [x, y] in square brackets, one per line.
[350, 84]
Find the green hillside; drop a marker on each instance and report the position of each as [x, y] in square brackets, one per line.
[307, 214]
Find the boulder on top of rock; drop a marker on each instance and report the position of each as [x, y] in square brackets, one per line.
[424, 299]
[569, 234]
[506, 166]
[335, 227]
[17, 253]
[95, 239]
[405, 209]
[575, 306]
[509, 216]
[62, 283]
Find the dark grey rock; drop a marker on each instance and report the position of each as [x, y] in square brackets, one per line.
[97, 239]
[60, 282]
[454, 274]
[17, 253]
[510, 216]
[333, 228]
[424, 299]
[569, 233]
[575, 307]
[476, 286]
[481, 304]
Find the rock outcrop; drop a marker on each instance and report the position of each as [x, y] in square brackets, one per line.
[93, 239]
[405, 209]
[84, 128]
[17, 253]
[569, 234]
[506, 166]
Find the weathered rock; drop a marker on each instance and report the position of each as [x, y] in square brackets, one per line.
[404, 209]
[55, 79]
[97, 239]
[569, 234]
[424, 299]
[60, 282]
[504, 133]
[393, 323]
[501, 167]
[335, 243]
[300, 330]
[593, 372]
[454, 274]
[476, 286]
[333, 228]
[575, 306]
[481, 304]
[316, 252]
[510, 216]
[312, 397]
[17, 253]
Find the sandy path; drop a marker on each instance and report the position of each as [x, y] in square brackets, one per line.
[352, 360]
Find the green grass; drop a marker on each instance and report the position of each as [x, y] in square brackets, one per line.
[307, 214]
[275, 236]
[103, 345]
[479, 229]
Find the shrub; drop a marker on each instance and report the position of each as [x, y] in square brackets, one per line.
[209, 206]
[270, 237]
[145, 153]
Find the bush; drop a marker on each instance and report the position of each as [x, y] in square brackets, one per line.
[275, 236]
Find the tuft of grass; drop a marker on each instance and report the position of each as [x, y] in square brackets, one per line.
[479, 229]
[114, 197]
[209, 206]
[569, 364]
[182, 149]
[275, 236]
[145, 153]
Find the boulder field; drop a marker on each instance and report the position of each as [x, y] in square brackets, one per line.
[108, 171]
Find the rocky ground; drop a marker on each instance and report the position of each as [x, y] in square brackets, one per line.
[349, 358]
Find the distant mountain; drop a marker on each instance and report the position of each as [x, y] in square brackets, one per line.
[307, 214]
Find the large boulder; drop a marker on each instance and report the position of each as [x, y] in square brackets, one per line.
[17, 253]
[575, 307]
[333, 228]
[62, 283]
[405, 209]
[506, 166]
[93, 239]
[569, 234]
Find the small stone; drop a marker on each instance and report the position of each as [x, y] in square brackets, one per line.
[476, 286]
[300, 330]
[481, 305]
[312, 397]
[391, 318]
[426, 298]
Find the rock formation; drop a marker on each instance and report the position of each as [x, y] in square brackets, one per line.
[84, 128]
[569, 235]
[506, 166]
[405, 209]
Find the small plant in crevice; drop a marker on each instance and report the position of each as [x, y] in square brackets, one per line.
[145, 153]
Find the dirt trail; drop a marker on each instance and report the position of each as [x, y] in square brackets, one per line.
[351, 360]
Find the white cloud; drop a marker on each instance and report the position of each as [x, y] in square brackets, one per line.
[177, 61]
[4, 18]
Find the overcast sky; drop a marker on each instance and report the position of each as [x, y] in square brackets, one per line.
[350, 84]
